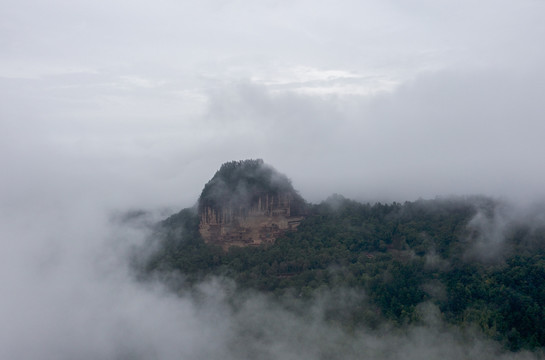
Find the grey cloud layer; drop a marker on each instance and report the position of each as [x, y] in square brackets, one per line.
[394, 101]
[129, 104]
[445, 133]
[441, 134]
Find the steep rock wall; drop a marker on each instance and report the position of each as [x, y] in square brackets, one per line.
[257, 223]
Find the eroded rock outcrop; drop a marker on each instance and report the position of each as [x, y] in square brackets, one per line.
[248, 203]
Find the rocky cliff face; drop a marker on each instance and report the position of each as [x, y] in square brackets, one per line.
[248, 203]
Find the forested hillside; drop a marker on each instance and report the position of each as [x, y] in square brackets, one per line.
[479, 266]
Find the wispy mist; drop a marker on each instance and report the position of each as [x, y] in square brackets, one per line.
[498, 227]
[68, 292]
[105, 109]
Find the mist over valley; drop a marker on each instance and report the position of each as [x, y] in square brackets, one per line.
[398, 211]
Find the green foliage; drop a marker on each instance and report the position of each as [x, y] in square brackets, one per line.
[242, 182]
[395, 253]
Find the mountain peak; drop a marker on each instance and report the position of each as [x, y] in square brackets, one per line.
[248, 202]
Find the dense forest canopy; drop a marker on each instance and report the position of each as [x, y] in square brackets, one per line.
[469, 257]
[401, 255]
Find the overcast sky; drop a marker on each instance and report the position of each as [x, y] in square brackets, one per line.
[110, 105]
[140, 102]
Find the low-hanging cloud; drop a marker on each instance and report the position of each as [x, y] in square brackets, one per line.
[68, 292]
[497, 227]
[383, 100]
[445, 133]
[136, 105]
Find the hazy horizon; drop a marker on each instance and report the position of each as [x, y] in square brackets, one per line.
[370, 99]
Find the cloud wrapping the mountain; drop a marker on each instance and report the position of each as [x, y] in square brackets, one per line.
[108, 107]
[70, 293]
